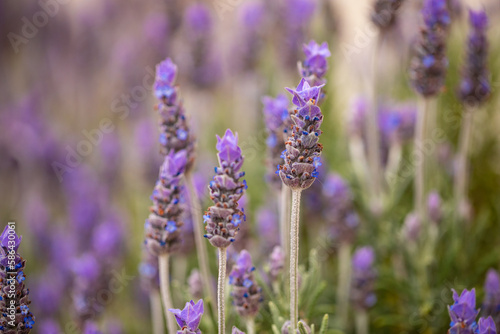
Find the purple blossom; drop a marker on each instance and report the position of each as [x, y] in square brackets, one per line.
[162, 228]
[434, 209]
[276, 263]
[189, 318]
[198, 18]
[487, 326]
[363, 278]
[315, 66]
[463, 312]
[302, 154]
[164, 89]
[411, 227]
[475, 86]
[224, 218]
[267, 227]
[149, 272]
[236, 331]
[195, 284]
[246, 293]
[491, 302]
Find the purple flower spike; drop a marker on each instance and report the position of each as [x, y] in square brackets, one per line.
[429, 62]
[189, 318]
[475, 86]
[363, 278]
[247, 295]
[302, 154]
[198, 18]
[434, 204]
[315, 66]
[12, 274]
[224, 218]
[162, 228]
[487, 326]
[411, 227]
[277, 120]
[175, 133]
[463, 312]
[276, 263]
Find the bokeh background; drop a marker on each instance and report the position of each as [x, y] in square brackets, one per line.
[79, 147]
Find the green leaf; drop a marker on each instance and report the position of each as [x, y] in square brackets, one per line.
[275, 330]
[302, 329]
[324, 325]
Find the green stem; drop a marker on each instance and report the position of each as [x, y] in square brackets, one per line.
[220, 290]
[462, 167]
[284, 226]
[165, 291]
[362, 322]
[201, 249]
[294, 259]
[250, 325]
[420, 164]
[156, 315]
[343, 287]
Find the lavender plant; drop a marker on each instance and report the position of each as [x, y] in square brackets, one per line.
[16, 317]
[491, 301]
[189, 318]
[246, 293]
[302, 157]
[362, 286]
[224, 217]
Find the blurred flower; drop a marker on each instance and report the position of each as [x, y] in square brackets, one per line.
[148, 271]
[339, 211]
[162, 228]
[157, 31]
[411, 227]
[286, 325]
[491, 302]
[175, 133]
[223, 218]
[246, 293]
[302, 155]
[111, 153]
[267, 228]
[236, 331]
[463, 312]
[363, 278]
[384, 13]
[429, 63]
[278, 122]
[90, 327]
[189, 318]
[107, 239]
[315, 66]
[49, 326]
[434, 207]
[475, 86]
[195, 284]
[487, 326]
[276, 263]
[12, 273]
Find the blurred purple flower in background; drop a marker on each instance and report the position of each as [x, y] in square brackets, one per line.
[246, 293]
[491, 301]
[411, 227]
[363, 278]
[267, 228]
[434, 207]
[384, 13]
[276, 263]
[195, 284]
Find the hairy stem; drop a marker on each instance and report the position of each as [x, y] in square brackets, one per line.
[156, 315]
[250, 322]
[362, 322]
[201, 250]
[420, 163]
[461, 176]
[284, 214]
[343, 287]
[294, 259]
[165, 291]
[220, 290]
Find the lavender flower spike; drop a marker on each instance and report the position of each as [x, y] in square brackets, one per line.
[384, 13]
[315, 66]
[175, 133]
[246, 293]
[491, 302]
[223, 218]
[236, 331]
[12, 265]
[475, 86]
[189, 318]
[363, 278]
[487, 326]
[463, 312]
[162, 228]
[429, 63]
[302, 154]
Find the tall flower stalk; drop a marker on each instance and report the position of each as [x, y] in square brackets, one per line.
[175, 134]
[474, 90]
[223, 219]
[427, 73]
[302, 157]
[162, 228]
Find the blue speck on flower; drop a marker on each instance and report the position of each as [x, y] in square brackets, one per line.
[282, 156]
[182, 134]
[247, 283]
[205, 218]
[236, 220]
[24, 309]
[271, 140]
[317, 162]
[245, 184]
[20, 277]
[171, 226]
[428, 61]
[163, 139]
[29, 322]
